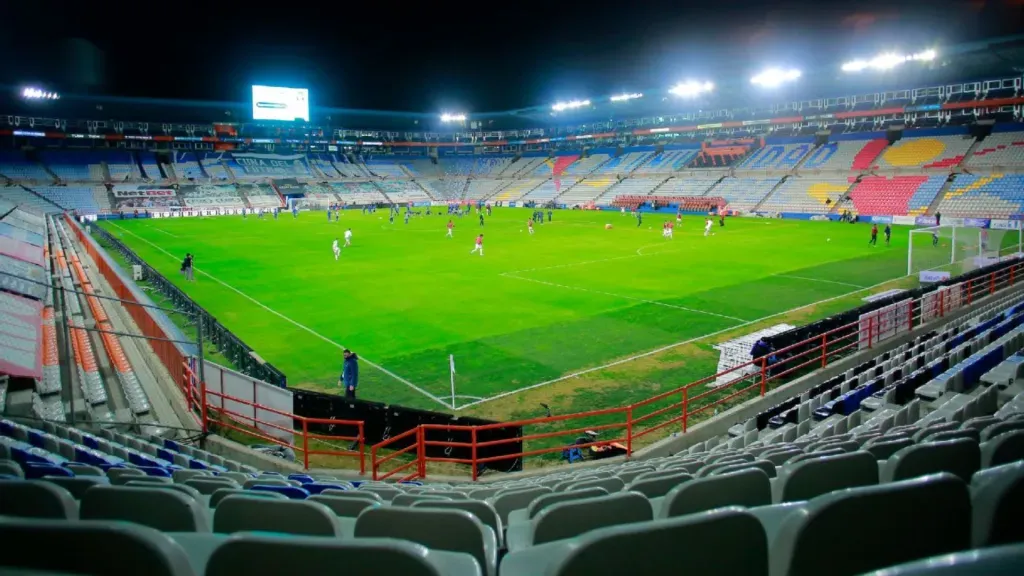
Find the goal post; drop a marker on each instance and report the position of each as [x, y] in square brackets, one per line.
[958, 249]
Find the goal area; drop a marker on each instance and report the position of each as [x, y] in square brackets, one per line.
[959, 249]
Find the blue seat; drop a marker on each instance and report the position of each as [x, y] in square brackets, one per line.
[318, 487]
[302, 478]
[36, 471]
[155, 471]
[292, 492]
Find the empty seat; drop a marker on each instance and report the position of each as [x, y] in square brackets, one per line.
[291, 492]
[115, 474]
[612, 484]
[999, 561]
[259, 554]
[655, 547]
[410, 499]
[874, 526]
[569, 519]
[166, 510]
[882, 449]
[385, 492]
[749, 487]
[223, 493]
[90, 548]
[961, 457]
[541, 502]
[809, 478]
[437, 529]
[249, 484]
[186, 490]
[483, 511]
[208, 485]
[506, 502]
[180, 476]
[84, 469]
[241, 514]
[657, 486]
[1003, 449]
[344, 507]
[78, 485]
[354, 494]
[997, 498]
[1001, 428]
[763, 465]
[36, 499]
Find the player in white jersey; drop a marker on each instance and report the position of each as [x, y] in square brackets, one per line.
[707, 226]
[529, 224]
[348, 237]
[336, 249]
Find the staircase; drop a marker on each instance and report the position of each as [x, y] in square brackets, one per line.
[273, 186]
[50, 172]
[497, 190]
[945, 190]
[770, 192]
[654, 190]
[106, 171]
[382, 192]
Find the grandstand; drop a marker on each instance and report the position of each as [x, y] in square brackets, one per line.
[583, 166]
[260, 196]
[150, 166]
[624, 163]
[186, 166]
[743, 193]
[806, 195]
[667, 161]
[984, 196]
[358, 192]
[403, 191]
[845, 155]
[14, 166]
[639, 186]
[686, 186]
[549, 189]
[387, 168]
[75, 166]
[587, 190]
[775, 157]
[84, 199]
[925, 152]
[479, 189]
[219, 196]
[998, 150]
[519, 188]
[902, 195]
[214, 167]
[121, 166]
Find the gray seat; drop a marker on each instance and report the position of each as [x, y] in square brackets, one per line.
[749, 487]
[386, 492]
[36, 499]
[115, 474]
[344, 507]
[763, 465]
[655, 547]
[883, 448]
[410, 499]
[78, 485]
[450, 494]
[611, 485]
[124, 480]
[969, 433]
[210, 485]
[628, 475]
[816, 476]
[180, 476]
[506, 502]
[258, 554]
[873, 527]
[217, 497]
[354, 495]
[541, 502]
[265, 482]
[245, 514]
[999, 561]
[569, 519]
[779, 457]
[90, 548]
[980, 423]
[1003, 449]
[187, 490]
[657, 486]
[922, 434]
[237, 477]
[437, 529]
[483, 511]
[823, 452]
[1001, 428]
[688, 466]
[162, 509]
[84, 470]
[961, 457]
[997, 499]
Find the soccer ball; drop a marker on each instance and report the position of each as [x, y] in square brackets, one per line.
[520, 229]
[828, 239]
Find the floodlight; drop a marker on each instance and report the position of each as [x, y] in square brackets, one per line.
[570, 105]
[625, 97]
[38, 94]
[888, 61]
[691, 88]
[446, 117]
[774, 77]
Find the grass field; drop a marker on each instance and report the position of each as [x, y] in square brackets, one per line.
[533, 309]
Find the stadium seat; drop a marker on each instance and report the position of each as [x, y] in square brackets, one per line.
[816, 476]
[999, 561]
[997, 496]
[166, 510]
[749, 487]
[568, 519]
[656, 485]
[960, 457]
[243, 514]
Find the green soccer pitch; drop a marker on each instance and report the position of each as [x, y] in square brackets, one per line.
[533, 309]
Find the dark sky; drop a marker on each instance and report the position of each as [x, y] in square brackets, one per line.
[479, 56]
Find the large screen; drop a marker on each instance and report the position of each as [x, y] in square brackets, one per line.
[276, 103]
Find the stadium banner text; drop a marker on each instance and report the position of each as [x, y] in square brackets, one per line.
[904, 220]
[1005, 224]
[924, 221]
[140, 192]
[274, 164]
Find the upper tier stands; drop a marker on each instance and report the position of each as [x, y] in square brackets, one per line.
[846, 155]
[214, 167]
[743, 193]
[984, 196]
[583, 166]
[150, 166]
[15, 166]
[939, 152]
[624, 163]
[75, 166]
[388, 168]
[686, 186]
[775, 157]
[324, 164]
[358, 192]
[121, 166]
[667, 161]
[899, 195]
[807, 195]
[186, 166]
[1001, 149]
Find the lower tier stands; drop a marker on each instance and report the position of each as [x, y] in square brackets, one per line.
[187, 167]
[806, 195]
[453, 188]
[549, 189]
[1000, 149]
[219, 196]
[637, 186]
[624, 163]
[19, 196]
[403, 191]
[150, 166]
[84, 199]
[517, 189]
[984, 196]
[686, 186]
[899, 195]
[479, 189]
[358, 192]
[744, 193]
[214, 167]
[925, 152]
[587, 190]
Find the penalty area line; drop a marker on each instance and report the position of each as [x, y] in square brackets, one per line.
[293, 322]
[822, 280]
[665, 348]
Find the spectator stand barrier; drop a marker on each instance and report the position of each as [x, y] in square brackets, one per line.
[679, 408]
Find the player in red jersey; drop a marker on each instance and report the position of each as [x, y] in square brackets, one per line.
[479, 247]
[451, 226]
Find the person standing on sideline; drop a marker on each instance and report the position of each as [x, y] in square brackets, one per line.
[188, 265]
[888, 233]
[874, 235]
[349, 374]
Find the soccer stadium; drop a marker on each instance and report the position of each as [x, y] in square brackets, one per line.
[541, 342]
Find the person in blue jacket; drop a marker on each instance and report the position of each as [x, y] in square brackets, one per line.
[350, 374]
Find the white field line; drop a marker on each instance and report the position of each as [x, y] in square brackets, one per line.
[293, 322]
[664, 348]
[164, 231]
[820, 280]
[644, 300]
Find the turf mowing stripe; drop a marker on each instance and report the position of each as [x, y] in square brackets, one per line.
[293, 322]
[820, 280]
[664, 348]
[644, 300]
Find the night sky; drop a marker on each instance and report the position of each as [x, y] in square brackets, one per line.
[481, 56]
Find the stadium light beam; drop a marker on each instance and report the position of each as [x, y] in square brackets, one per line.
[774, 77]
[626, 97]
[446, 117]
[38, 94]
[691, 88]
[888, 61]
[570, 105]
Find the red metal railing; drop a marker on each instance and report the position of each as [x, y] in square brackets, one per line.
[678, 407]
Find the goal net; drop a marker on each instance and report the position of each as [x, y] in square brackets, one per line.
[958, 249]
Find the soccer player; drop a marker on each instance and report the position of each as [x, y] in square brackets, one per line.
[639, 218]
[479, 246]
[707, 226]
[481, 219]
[721, 220]
[348, 237]
[336, 249]
[451, 226]
[874, 235]
[295, 211]
[529, 224]
[935, 237]
[888, 233]
[407, 214]
[328, 213]
[669, 228]
[391, 217]
[679, 217]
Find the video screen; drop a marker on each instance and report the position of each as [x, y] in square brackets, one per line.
[277, 103]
